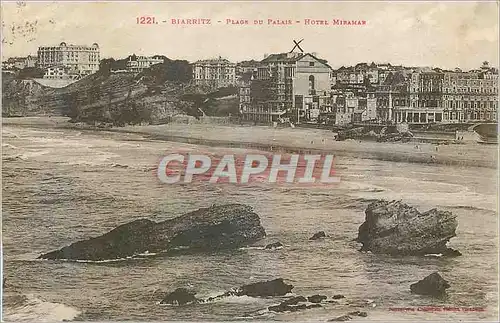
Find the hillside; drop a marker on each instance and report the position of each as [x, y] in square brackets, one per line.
[121, 98]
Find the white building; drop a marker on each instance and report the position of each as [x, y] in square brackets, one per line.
[217, 72]
[79, 59]
[141, 63]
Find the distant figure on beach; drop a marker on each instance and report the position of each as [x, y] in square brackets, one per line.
[437, 147]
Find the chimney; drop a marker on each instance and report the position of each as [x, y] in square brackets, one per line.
[266, 55]
[314, 54]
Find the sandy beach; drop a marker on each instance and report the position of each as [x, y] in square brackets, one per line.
[293, 140]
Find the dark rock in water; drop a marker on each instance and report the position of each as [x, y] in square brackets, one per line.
[316, 298]
[292, 305]
[342, 318]
[451, 253]
[180, 296]
[398, 229]
[359, 313]
[287, 308]
[289, 305]
[318, 235]
[294, 300]
[338, 296]
[276, 287]
[208, 229]
[274, 245]
[433, 285]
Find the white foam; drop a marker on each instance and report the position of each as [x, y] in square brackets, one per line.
[34, 309]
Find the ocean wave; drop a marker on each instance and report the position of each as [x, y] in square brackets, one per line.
[133, 257]
[253, 248]
[29, 308]
[9, 146]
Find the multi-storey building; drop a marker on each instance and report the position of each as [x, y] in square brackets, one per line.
[294, 86]
[60, 73]
[137, 64]
[471, 96]
[364, 73]
[244, 84]
[421, 100]
[214, 72]
[79, 59]
[19, 62]
[351, 108]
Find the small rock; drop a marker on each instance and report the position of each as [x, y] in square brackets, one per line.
[316, 298]
[338, 296]
[294, 300]
[451, 253]
[359, 313]
[318, 235]
[276, 287]
[333, 302]
[274, 245]
[342, 318]
[180, 296]
[433, 285]
[292, 305]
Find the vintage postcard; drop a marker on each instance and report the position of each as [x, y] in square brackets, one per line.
[306, 161]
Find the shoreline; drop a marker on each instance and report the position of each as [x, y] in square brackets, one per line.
[288, 140]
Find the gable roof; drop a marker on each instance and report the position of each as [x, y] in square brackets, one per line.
[283, 57]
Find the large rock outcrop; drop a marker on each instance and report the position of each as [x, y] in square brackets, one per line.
[399, 229]
[207, 229]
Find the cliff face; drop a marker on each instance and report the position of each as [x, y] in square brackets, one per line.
[116, 98]
[26, 98]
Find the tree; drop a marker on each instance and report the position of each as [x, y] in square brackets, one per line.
[31, 72]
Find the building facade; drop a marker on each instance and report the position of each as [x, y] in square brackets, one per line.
[79, 59]
[137, 64]
[289, 86]
[60, 73]
[421, 100]
[216, 73]
[470, 96]
[18, 63]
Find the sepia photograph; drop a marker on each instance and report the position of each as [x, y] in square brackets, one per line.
[249, 161]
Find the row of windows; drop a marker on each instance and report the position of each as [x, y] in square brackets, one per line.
[468, 98]
[469, 90]
[470, 116]
[470, 105]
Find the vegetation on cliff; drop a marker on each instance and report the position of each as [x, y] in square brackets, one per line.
[117, 97]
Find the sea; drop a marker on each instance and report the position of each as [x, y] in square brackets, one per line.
[64, 185]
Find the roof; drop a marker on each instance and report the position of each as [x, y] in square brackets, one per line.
[283, 57]
[213, 61]
[395, 79]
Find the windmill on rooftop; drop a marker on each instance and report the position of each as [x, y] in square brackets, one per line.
[297, 45]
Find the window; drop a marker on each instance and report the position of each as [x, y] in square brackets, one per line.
[311, 63]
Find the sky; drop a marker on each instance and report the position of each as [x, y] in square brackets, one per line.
[436, 34]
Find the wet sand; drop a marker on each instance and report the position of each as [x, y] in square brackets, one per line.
[293, 140]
